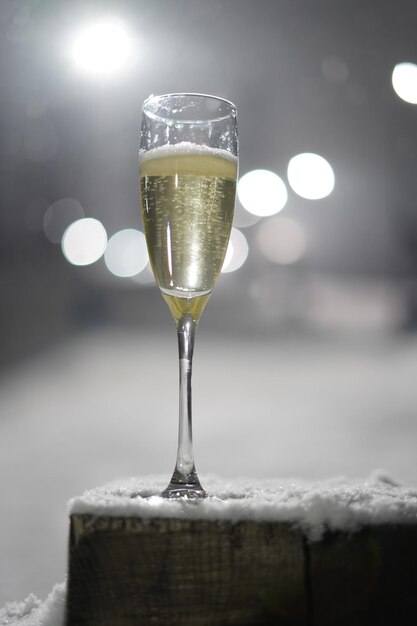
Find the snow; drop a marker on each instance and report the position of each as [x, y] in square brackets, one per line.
[32, 612]
[337, 504]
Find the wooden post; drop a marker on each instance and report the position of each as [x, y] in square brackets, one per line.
[136, 559]
[366, 578]
[129, 572]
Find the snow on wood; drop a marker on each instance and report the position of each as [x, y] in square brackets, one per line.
[336, 504]
[313, 508]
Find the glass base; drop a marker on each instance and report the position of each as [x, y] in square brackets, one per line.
[184, 492]
[186, 487]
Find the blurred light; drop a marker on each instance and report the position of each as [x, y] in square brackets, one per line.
[404, 81]
[145, 277]
[281, 240]
[242, 218]
[103, 48]
[335, 70]
[310, 175]
[229, 255]
[84, 241]
[237, 252]
[59, 216]
[126, 253]
[350, 303]
[262, 192]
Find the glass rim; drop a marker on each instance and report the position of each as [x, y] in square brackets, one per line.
[163, 118]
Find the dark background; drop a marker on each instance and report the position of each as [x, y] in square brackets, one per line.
[305, 370]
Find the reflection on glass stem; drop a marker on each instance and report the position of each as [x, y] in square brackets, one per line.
[184, 481]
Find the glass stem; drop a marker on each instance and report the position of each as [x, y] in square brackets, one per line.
[184, 481]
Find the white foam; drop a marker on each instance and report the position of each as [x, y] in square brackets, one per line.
[185, 148]
[337, 504]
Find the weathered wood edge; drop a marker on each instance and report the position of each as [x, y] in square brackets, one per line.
[361, 578]
[364, 578]
[242, 573]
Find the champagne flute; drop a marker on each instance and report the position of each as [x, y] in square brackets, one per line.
[188, 168]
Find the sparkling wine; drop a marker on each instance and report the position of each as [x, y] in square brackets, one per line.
[188, 195]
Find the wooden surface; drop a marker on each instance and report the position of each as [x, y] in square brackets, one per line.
[368, 578]
[133, 572]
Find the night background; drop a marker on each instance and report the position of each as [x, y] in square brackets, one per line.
[306, 356]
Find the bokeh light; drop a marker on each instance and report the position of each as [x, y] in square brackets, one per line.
[310, 176]
[281, 240]
[404, 81]
[126, 253]
[145, 277]
[103, 48]
[242, 218]
[59, 216]
[237, 252]
[84, 241]
[262, 192]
